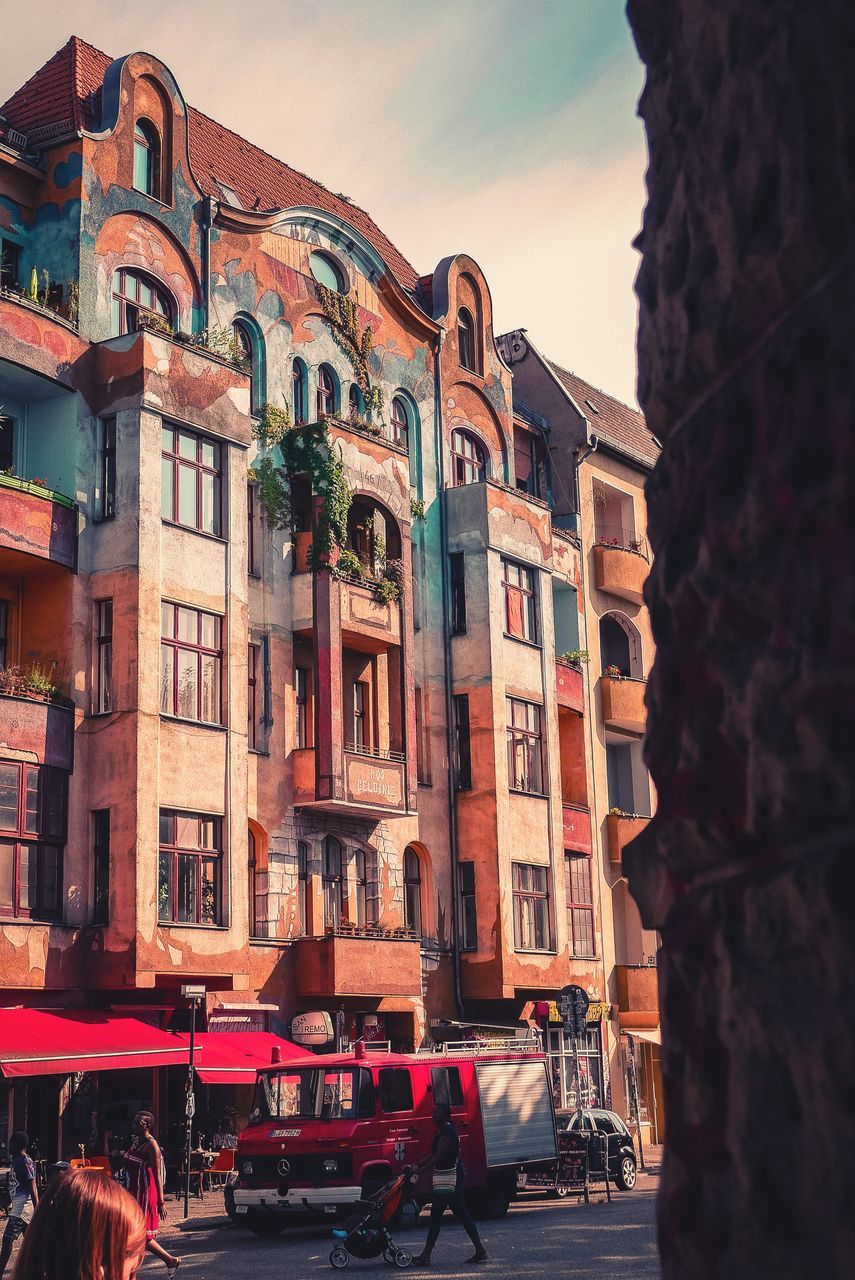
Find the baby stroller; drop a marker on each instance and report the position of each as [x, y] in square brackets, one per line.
[366, 1232]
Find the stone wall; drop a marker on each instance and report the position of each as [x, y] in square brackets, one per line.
[747, 292]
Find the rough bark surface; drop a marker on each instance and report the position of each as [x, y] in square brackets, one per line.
[747, 375]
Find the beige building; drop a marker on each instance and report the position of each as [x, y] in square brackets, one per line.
[600, 454]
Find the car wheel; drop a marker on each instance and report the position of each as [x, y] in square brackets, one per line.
[627, 1173]
[267, 1225]
[339, 1257]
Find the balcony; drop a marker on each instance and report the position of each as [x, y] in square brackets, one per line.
[39, 729]
[364, 963]
[368, 623]
[39, 340]
[621, 828]
[622, 702]
[577, 827]
[371, 785]
[621, 570]
[570, 687]
[637, 989]
[38, 522]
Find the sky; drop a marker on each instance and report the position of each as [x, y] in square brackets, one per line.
[504, 129]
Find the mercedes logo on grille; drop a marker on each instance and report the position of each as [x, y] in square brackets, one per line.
[284, 1168]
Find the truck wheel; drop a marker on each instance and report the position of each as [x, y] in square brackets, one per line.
[267, 1225]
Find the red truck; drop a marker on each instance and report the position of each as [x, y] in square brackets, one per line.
[325, 1132]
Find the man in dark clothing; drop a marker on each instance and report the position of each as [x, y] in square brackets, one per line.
[22, 1192]
[445, 1159]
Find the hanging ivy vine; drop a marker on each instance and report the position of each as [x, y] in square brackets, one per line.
[356, 343]
[305, 451]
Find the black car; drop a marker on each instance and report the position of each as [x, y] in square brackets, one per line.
[621, 1157]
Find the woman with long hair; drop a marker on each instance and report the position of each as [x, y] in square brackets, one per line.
[86, 1227]
[145, 1183]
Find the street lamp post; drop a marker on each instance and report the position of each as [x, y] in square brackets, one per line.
[194, 994]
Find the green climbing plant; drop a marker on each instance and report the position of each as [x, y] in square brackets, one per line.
[356, 342]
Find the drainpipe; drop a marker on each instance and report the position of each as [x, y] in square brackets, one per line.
[208, 208]
[446, 642]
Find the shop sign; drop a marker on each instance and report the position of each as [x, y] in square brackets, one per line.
[312, 1028]
[598, 1011]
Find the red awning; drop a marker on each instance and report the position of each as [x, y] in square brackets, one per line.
[232, 1057]
[46, 1042]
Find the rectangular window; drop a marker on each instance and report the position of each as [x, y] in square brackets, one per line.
[457, 568]
[580, 905]
[253, 532]
[101, 864]
[469, 917]
[396, 1089]
[190, 868]
[253, 695]
[446, 1087]
[4, 633]
[7, 443]
[360, 715]
[304, 718]
[462, 752]
[525, 754]
[520, 601]
[531, 907]
[9, 258]
[104, 657]
[191, 659]
[303, 884]
[108, 469]
[191, 480]
[33, 813]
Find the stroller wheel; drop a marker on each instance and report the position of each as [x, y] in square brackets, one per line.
[403, 1258]
[339, 1257]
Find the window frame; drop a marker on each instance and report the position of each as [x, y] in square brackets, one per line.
[200, 854]
[526, 587]
[332, 881]
[107, 469]
[100, 866]
[7, 457]
[457, 584]
[468, 907]
[392, 1096]
[32, 831]
[5, 611]
[127, 308]
[177, 646]
[327, 393]
[247, 341]
[253, 670]
[148, 150]
[531, 907]
[521, 735]
[259, 889]
[467, 356]
[303, 885]
[253, 529]
[474, 465]
[299, 392]
[104, 657]
[413, 920]
[303, 721]
[399, 427]
[175, 460]
[462, 742]
[361, 722]
[577, 908]
[10, 263]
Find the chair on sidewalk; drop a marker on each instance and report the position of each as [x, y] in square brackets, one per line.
[222, 1166]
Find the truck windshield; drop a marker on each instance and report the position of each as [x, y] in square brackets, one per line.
[311, 1093]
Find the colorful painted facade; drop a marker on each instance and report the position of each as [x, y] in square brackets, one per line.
[292, 704]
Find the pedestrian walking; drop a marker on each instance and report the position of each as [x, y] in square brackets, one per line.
[23, 1194]
[86, 1227]
[143, 1163]
[448, 1178]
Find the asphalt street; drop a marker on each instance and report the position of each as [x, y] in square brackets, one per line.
[539, 1237]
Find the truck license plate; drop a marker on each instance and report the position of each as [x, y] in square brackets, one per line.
[329, 1208]
[241, 1208]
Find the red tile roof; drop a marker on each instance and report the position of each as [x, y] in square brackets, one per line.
[63, 92]
[613, 421]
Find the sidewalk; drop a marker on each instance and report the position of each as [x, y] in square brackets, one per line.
[205, 1214]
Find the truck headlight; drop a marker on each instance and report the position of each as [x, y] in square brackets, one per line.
[246, 1168]
[330, 1166]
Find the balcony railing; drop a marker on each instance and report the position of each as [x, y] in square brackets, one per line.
[621, 829]
[353, 965]
[621, 565]
[615, 535]
[622, 701]
[370, 431]
[376, 753]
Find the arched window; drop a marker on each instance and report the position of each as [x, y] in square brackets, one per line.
[248, 345]
[258, 888]
[299, 396]
[332, 881]
[327, 272]
[147, 159]
[355, 402]
[400, 421]
[139, 302]
[466, 340]
[326, 392]
[468, 459]
[412, 891]
[620, 646]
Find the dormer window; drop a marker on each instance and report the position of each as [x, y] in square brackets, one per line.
[327, 272]
[466, 340]
[147, 159]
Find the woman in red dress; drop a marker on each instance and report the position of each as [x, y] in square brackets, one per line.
[143, 1163]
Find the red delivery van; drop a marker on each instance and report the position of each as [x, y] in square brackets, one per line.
[327, 1131]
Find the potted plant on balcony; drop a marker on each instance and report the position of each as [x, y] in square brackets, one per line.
[574, 657]
[31, 682]
[349, 565]
[613, 672]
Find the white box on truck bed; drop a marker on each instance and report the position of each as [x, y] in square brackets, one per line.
[517, 1112]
